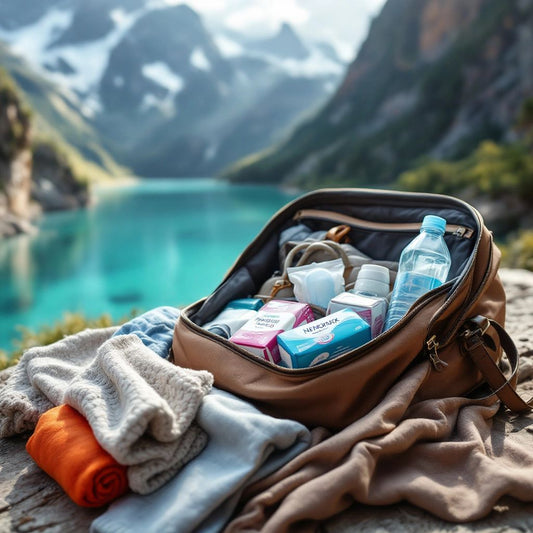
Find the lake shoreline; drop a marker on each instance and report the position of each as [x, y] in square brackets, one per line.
[131, 248]
[13, 225]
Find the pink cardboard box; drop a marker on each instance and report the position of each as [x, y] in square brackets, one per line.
[260, 334]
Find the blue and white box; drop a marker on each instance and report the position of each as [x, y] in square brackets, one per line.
[323, 339]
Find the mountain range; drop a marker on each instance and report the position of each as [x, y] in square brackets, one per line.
[432, 80]
[162, 93]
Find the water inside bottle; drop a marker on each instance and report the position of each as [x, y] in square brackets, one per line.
[424, 265]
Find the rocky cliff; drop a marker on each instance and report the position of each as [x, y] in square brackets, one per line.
[433, 78]
[54, 185]
[15, 161]
[33, 177]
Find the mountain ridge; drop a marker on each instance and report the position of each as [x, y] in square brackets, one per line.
[432, 79]
[56, 118]
[166, 95]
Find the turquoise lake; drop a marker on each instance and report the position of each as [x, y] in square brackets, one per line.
[158, 242]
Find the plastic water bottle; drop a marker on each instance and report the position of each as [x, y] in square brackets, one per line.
[424, 265]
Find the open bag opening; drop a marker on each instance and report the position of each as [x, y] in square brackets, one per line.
[380, 227]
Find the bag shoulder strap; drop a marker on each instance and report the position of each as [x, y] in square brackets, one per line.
[475, 346]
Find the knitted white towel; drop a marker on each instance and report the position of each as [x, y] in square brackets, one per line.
[40, 379]
[141, 409]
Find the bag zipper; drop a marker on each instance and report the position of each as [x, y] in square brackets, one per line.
[432, 345]
[432, 348]
[332, 216]
[279, 218]
[460, 231]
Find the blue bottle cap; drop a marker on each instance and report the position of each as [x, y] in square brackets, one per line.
[435, 223]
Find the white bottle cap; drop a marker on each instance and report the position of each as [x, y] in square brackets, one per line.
[373, 279]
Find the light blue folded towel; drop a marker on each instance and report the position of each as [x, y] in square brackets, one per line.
[155, 328]
[244, 446]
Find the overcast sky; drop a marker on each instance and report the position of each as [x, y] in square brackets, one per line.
[340, 22]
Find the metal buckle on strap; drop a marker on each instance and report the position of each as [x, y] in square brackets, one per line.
[473, 331]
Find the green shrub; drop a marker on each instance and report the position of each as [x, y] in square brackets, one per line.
[492, 170]
[70, 323]
[525, 118]
[4, 360]
[518, 251]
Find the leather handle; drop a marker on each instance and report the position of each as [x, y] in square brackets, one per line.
[503, 386]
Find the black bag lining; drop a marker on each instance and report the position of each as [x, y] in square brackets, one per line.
[382, 245]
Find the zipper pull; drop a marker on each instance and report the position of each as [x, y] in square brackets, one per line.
[432, 347]
[461, 232]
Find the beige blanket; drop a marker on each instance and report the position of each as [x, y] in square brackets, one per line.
[438, 455]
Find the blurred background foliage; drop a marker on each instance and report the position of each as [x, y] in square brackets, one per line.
[70, 323]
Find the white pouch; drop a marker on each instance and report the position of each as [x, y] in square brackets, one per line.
[317, 283]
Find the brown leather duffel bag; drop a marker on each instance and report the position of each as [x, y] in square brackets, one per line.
[456, 330]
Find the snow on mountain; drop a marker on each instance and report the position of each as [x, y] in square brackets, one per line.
[31, 41]
[315, 65]
[312, 60]
[161, 74]
[145, 69]
[228, 47]
[78, 68]
[199, 60]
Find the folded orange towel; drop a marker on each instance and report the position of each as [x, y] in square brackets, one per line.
[63, 445]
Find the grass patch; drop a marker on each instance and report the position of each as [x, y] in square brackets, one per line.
[70, 323]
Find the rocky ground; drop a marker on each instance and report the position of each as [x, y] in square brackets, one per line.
[31, 501]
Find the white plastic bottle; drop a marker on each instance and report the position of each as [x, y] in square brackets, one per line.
[424, 265]
[368, 298]
[372, 280]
